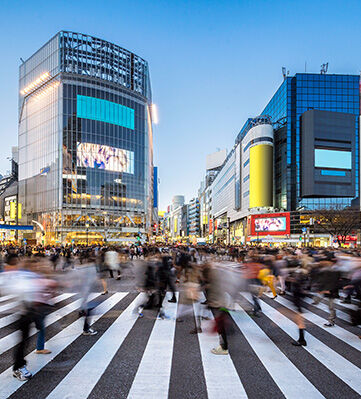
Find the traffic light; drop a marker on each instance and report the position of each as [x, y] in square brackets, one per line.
[300, 238]
[155, 228]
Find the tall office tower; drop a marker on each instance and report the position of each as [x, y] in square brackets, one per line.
[85, 141]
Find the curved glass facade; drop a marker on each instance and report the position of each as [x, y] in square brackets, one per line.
[88, 176]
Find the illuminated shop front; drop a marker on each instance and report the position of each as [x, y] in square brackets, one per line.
[85, 141]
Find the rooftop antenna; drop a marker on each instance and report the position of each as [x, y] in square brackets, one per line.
[284, 73]
[324, 68]
[22, 60]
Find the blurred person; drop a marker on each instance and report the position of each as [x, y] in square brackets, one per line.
[43, 303]
[329, 278]
[347, 266]
[54, 257]
[140, 269]
[83, 279]
[267, 279]
[67, 259]
[162, 280]
[112, 262]
[281, 272]
[218, 303]
[146, 275]
[169, 278]
[31, 289]
[355, 284]
[298, 280]
[252, 269]
[101, 268]
[191, 290]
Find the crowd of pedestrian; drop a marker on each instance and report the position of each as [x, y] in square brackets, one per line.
[207, 281]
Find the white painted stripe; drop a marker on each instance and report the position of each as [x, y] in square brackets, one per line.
[324, 307]
[62, 297]
[338, 332]
[14, 304]
[6, 298]
[78, 384]
[14, 338]
[5, 321]
[346, 305]
[341, 367]
[8, 306]
[154, 370]
[285, 374]
[9, 385]
[338, 302]
[221, 376]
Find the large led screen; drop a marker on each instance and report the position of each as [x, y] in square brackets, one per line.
[270, 224]
[332, 159]
[104, 157]
[104, 111]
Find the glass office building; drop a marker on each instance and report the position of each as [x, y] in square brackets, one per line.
[339, 97]
[85, 141]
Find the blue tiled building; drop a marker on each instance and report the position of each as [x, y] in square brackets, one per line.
[297, 95]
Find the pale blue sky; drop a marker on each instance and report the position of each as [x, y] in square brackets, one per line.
[213, 63]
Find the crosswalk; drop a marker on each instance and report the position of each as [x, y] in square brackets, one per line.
[138, 358]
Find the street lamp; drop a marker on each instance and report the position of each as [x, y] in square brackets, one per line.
[87, 230]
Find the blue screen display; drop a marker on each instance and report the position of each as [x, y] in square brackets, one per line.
[333, 159]
[104, 111]
[333, 173]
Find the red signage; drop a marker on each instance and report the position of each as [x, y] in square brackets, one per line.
[270, 224]
[210, 226]
[348, 238]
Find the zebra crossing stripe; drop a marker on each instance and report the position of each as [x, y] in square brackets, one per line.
[154, 371]
[337, 364]
[14, 338]
[6, 298]
[5, 321]
[78, 384]
[8, 306]
[62, 297]
[351, 306]
[341, 314]
[11, 318]
[9, 385]
[221, 376]
[274, 360]
[338, 332]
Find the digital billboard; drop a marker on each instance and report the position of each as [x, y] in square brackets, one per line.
[99, 156]
[270, 224]
[333, 159]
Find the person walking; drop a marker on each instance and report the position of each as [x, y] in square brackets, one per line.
[329, 280]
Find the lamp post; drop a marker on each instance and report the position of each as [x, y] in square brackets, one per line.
[105, 213]
[87, 230]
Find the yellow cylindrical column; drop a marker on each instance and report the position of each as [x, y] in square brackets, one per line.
[261, 176]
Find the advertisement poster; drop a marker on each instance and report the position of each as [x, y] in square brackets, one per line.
[270, 224]
[104, 157]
